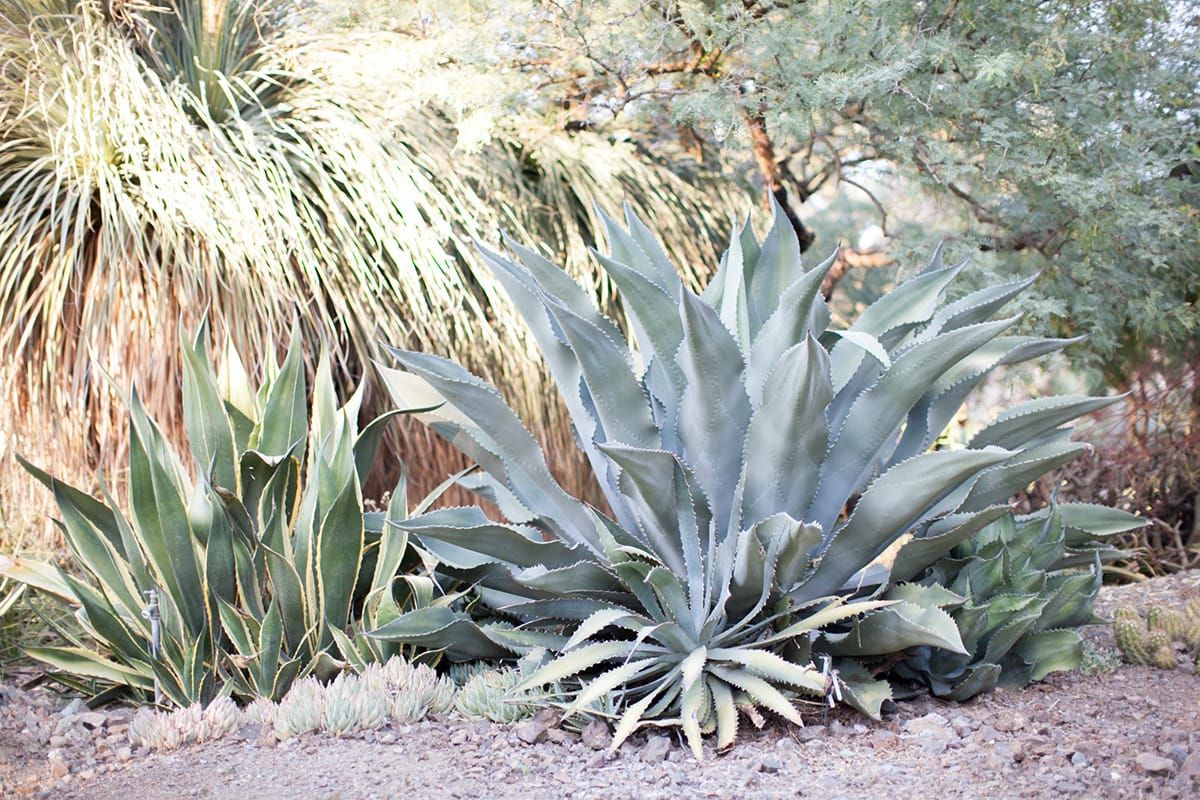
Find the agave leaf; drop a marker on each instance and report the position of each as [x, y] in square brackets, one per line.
[912, 302]
[759, 691]
[209, 430]
[715, 410]
[787, 436]
[507, 450]
[1023, 422]
[578, 660]
[775, 667]
[979, 679]
[918, 553]
[903, 497]
[727, 724]
[977, 306]
[861, 689]
[1002, 481]
[464, 538]
[776, 268]
[801, 313]
[284, 424]
[610, 680]
[1098, 521]
[81, 661]
[896, 628]
[602, 619]
[1050, 651]
[855, 450]
[393, 539]
[937, 407]
[452, 632]
[160, 515]
[655, 485]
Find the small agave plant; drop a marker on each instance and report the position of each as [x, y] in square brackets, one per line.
[265, 567]
[761, 466]
[1016, 590]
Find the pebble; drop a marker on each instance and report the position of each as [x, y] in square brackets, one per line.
[809, 732]
[770, 765]
[1078, 759]
[1153, 764]
[655, 750]
[1008, 724]
[595, 735]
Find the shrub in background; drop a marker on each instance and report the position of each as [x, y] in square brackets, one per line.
[157, 159]
[759, 462]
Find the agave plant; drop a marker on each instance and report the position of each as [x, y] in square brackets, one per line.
[257, 567]
[1017, 589]
[758, 463]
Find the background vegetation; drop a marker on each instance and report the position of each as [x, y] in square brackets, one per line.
[261, 158]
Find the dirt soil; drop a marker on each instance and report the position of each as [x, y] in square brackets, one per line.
[1129, 733]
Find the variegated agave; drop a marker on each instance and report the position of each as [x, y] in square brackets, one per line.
[265, 568]
[758, 464]
[1017, 590]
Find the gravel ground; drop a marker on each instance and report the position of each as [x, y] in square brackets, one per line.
[1134, 732]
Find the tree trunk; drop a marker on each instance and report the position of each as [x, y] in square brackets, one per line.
[772, 174]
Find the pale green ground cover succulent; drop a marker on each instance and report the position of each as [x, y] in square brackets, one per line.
[769, 476]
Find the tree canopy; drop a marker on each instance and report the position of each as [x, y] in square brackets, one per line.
[1057, 136]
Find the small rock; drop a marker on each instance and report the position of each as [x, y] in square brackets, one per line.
[1017, 751]
[531, 731]
[76, 706]
[1078, 759]
[92, 719]
[249, 731]
[1178, 754]
[559, 736]
[595, 735]
[932, 721]
[1010, 723]
[655, 749]
[809, 732]
[462, 737]
[883, 737]
[1190, 768]
[58, 741]
[933, 745]
[123, 753]
[987, 733]
[58, 764]
[770, 765]
[1153, 764]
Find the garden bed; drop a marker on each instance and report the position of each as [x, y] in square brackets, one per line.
[1132, 732]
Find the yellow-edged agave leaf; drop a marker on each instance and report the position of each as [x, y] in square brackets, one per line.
[726, 709]
[777, 668]
[695, 698]
[692, 667]
[576, 661]
[759, 691]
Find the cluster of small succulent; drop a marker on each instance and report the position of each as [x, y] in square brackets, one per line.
[411, 691]
[301, 710]
[395, 691]
[168, 730]
[1152, 641]
[490, 694]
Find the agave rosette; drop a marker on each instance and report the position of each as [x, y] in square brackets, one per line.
[728, 438]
